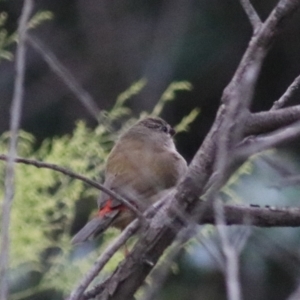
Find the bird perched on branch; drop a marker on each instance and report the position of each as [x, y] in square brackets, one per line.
[142, 167]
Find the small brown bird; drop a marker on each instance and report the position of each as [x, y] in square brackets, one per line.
[142, 167]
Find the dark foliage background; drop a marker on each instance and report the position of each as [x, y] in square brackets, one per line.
[107, 45]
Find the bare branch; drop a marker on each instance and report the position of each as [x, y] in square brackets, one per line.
[63, 73]
[252, 15]
[259, 45]
[258, 144]
[71, 174]
[103, 259]
[253, 145]
[231, 270]
[159, 275]
[238, 94]
[234, 214]
[255, 215]
[267, 121]
[12, 152]
[287, 95]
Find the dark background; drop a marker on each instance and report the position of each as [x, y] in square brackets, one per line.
[109, 44]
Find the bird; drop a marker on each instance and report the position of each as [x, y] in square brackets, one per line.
[142, 167]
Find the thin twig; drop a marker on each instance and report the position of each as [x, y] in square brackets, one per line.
[241, 237]
[213, 251]
[258, 144]
[252, 15]
[255, 215]
[159, 275]
[237, 97]
[103, 259]
[63, 73]
[92, 293]
[12, 152]
[289, 93]
[40, 164]
[233, 286]
[266, 121]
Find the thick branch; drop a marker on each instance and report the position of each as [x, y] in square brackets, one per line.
[238, 94]
[103, 259]
[233, 215]
[231, 261]
[258, 144]
[260, 42]
[289, 93]
[267, 121]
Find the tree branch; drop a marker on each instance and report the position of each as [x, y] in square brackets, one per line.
[15, 116]
[231, 270]
[289, 93]
[267, 121]
[260, 43]
[252, 15]
[63, 73]
[256, 216]
[40, 164]
[103, 259]
[233, 215]
[258, 144]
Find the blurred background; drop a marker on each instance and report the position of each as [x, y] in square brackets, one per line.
[107, 45]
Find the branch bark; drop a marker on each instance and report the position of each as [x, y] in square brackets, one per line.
[15, 116]
[251, 14]
[289, 93]
[267, 121]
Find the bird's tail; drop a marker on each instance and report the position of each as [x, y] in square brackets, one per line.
[95, 227]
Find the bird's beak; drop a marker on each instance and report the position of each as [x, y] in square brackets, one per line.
[172, 131]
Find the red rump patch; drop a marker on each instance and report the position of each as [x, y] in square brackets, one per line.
[107, 208]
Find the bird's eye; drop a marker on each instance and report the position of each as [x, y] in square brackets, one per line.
[164, 129]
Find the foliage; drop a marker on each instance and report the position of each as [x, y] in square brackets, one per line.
[44, 206]
[8, 39]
